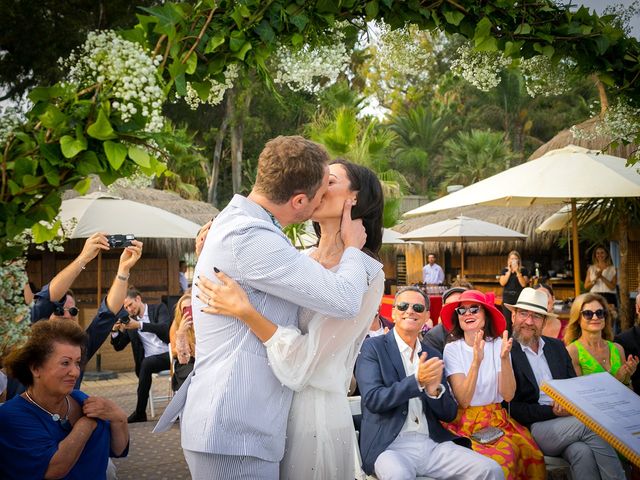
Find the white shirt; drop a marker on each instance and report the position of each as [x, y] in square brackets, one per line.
[540, 368]
[458, 357]
[184, 283]
[150, 341]
[432, 274]
[599, 286]
[416, 420]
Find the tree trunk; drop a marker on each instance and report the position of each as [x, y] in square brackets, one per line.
[212, 194]
[626, 320]
[237, 131]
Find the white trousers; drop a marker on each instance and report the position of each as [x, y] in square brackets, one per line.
[413, 454]
[211, 466]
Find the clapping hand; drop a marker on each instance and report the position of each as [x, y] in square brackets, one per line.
[430, 373]
[507, 344]
[478, 348]
[628, 368]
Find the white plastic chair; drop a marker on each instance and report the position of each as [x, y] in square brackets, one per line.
[162, 398]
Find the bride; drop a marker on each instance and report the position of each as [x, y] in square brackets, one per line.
[317, 360]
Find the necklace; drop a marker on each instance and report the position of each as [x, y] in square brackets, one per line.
[63, 422]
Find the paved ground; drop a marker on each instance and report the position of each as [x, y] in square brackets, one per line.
[154, 456]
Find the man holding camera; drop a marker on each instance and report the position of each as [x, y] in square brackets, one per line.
[147, 328]
[56, 300]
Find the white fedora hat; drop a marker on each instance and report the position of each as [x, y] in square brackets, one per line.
[533, 301]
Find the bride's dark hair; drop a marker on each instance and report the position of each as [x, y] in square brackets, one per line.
[369, 205]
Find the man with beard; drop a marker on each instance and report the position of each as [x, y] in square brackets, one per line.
[537, 358]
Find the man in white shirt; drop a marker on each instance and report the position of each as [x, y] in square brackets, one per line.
[537, 358]
[432, 273]
[404, 398]
[147, 328]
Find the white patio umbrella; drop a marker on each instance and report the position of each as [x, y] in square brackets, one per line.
[102, 212]
[566, 174]
[463, 229]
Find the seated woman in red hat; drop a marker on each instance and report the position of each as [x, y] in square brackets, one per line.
[478, 366]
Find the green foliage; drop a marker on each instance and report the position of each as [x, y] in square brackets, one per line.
[475, 155]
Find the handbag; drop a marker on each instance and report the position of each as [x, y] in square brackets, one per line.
[487, 435]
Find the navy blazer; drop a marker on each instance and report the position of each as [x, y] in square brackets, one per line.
[524, 406]
[159, 324]
[630, 341]
[386, 389]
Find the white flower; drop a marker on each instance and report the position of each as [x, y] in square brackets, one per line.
[481, 69]
[216, 93]
[125, 70]
[543, 78]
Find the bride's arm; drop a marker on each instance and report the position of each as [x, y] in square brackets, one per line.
[231, 300]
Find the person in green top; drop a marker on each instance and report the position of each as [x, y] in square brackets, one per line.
[588, 339]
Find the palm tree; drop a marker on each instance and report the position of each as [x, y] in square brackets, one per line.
[420, 133]
[475, 155]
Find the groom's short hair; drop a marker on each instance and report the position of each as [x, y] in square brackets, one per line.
[288, 166]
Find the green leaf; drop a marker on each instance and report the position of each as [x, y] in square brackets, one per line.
[115, 152]
[236, 41]
[83, 185]
[300, 21]
[42, 233]
[45, 93]
[30, 180]
[14, 188]
[265, 32]
[483, 29]
[88, 164]
[70, 146]
[192, 63]
[606, 79]
[243, 51]
[139, 156]
[548, 51]
[523, 29]
[487, 44]
[101, 129]
[296, 39]
[160, 169]
[602, 43]
[454, 17]
[213, 43]
[52, 117]
[512, 48]
[24, 166]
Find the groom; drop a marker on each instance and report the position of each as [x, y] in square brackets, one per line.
[234, 420]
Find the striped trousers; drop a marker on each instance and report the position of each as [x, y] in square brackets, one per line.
[211, 466]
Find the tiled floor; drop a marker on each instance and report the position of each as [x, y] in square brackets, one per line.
[156, 456]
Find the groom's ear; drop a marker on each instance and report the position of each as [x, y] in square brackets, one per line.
[299, 201]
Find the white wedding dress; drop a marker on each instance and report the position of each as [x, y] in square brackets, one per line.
[317, 362]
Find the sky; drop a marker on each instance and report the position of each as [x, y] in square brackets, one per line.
[600, 5]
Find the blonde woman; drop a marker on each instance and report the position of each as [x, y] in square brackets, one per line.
[602, 276]
[183, 341]
[589, 340]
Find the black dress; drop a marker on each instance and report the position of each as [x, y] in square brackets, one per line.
[510, 293]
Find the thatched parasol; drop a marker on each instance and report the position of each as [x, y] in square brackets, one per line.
[521, 219]
[194, 210]
[599, 142]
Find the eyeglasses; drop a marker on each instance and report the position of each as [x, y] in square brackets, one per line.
[588, 314]
[473, 309]
[524, 314]
[73, 311]
[404, 306]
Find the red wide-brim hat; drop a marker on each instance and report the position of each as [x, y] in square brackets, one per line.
[492, 313]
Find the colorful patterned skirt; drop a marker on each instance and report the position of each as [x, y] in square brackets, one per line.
[516, 451]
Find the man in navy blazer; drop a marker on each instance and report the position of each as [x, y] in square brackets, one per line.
[536, 358]
[147, 329]
[404, 395]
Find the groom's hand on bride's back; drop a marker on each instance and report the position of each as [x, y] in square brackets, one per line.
[352, 231]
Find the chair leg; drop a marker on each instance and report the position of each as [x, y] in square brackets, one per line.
[153, 410]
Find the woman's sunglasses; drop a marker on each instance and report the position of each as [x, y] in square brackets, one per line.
[404, 306]
[473, 309]
[588, 314]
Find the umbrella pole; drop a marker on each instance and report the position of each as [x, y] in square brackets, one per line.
[576, 247]
[99, 292]
[462, 260]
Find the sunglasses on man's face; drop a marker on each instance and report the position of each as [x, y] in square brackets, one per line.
[404, 306]
[73, 311]
[588, 314]
[473, 309]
